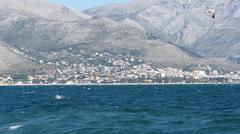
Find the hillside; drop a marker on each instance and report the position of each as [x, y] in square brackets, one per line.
[12, 62]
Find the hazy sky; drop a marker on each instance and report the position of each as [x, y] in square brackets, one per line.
[86, 4]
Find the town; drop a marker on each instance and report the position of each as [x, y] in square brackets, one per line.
[93, 67]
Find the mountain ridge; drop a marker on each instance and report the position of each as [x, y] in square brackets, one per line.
[184, 22]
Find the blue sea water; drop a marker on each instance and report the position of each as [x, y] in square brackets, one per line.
[162, 109]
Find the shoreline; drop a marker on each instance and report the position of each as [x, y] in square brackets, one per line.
[119, 84]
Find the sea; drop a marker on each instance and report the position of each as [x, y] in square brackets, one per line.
[120, 109]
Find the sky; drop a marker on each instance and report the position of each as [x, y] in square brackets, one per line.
[86, 4]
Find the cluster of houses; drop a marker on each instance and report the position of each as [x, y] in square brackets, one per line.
[119, 72]
[105, 68]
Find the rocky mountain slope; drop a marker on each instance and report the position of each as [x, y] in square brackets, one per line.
[207, 27]
[10, 61]
[39, 26]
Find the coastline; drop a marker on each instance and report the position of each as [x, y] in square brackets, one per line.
[119, 84]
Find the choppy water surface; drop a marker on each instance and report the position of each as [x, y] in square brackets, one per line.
[180, 109]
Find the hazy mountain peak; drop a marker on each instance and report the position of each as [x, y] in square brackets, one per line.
[44, 9]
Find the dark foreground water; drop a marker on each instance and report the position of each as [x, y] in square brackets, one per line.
[186, 109]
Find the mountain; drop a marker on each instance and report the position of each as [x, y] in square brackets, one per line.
[41, 9]
[36, 24]
[40, 27]
[207, 27]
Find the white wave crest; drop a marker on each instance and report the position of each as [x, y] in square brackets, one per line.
[14, 127]
[59, 97]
